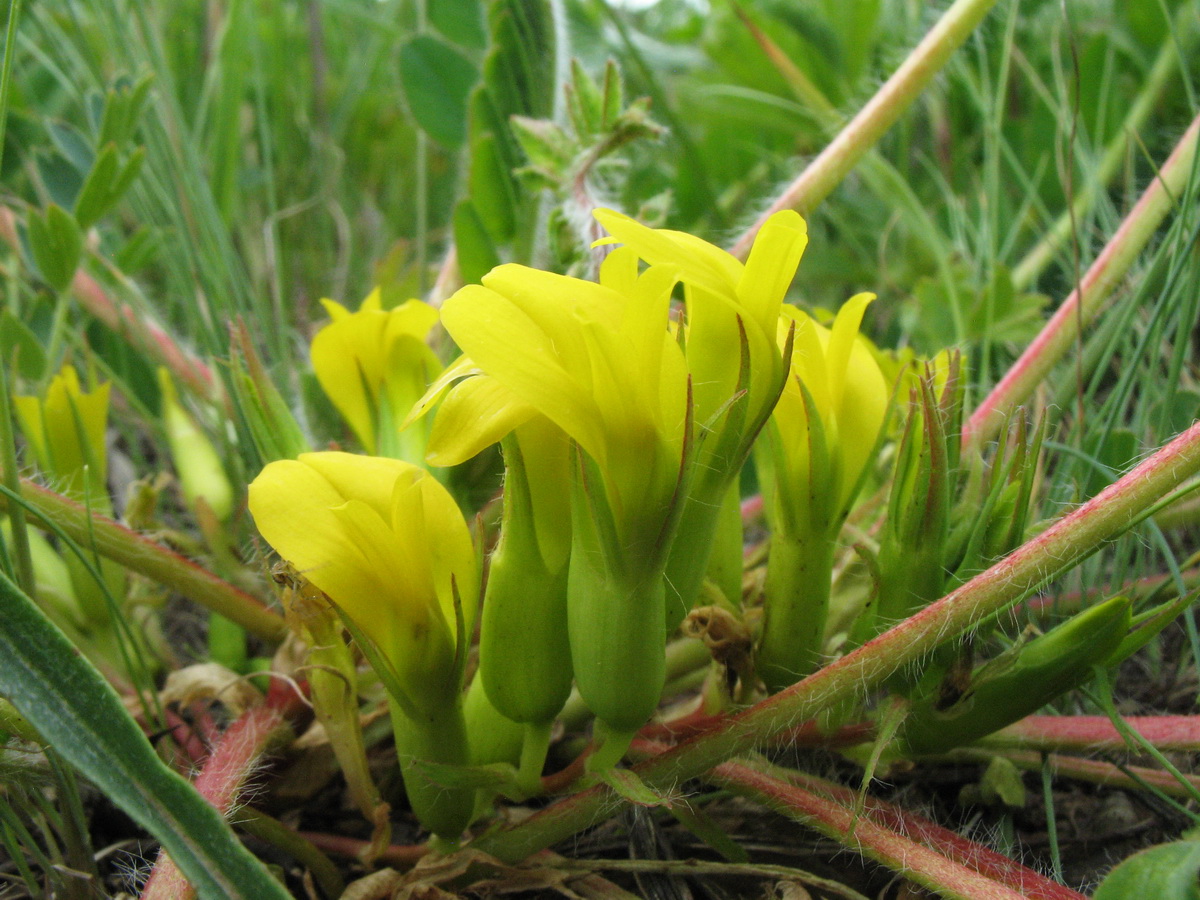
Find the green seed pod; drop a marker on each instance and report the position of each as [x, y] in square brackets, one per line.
[1006, 690]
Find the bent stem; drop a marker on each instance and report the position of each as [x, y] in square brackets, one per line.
[1061, 546]
[928, 854]
[1081, 307]
[220, 782]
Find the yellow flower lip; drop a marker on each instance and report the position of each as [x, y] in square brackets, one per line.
[727, 302]
[834, 377]
[597, 360]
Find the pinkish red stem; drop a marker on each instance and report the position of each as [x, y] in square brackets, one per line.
[918, 849]
[1061, 546]
[220, 782]
[1082, 733]
[141, 332]
[1081, 307]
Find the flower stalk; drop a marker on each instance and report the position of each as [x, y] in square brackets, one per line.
[138, 553]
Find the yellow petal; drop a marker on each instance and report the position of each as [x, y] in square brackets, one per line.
[476, 413]
[370, 356]
[842, 338]
[440, 548]
[705, 265]
[771, 266]
[514, 348]
[368, 479]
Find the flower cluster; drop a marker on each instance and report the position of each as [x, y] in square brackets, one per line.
[625, 421]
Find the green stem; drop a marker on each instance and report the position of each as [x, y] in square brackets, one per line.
[795, 607]
[299, 848]
[826, 172]
[1060, 547]
[1114, 261]
[534, 748]
[438, 736]
[332, 680]
[140, 554]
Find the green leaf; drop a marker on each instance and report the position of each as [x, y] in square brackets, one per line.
[56, 242]
[437, 79]
[60, 178]
[461, 21]
[476, 253]
[75, 709]
[493, 192]
[71, 143]
[1019, 683]
[1165, 872]
[629, 786]
[20, 344]
[122, 109]
[105, 184]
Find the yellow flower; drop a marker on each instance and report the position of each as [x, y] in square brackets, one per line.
[737, 373]
[388, 545]
[723, 299]
[824, 430]
[597, 360]
[64, 430]
[374, 364]
[818, 444]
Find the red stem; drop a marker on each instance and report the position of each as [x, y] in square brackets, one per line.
[1086, 300]
[140, 331]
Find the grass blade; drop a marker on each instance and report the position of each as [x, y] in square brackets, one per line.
[72, 706]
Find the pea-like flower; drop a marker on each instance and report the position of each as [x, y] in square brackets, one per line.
[599, 362]
[389, 546]
[819, 442]
[737, 371]
[374, 365]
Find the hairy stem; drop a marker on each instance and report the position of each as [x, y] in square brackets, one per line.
[138, 553]
[1064, 544]
[862, 132]
[1114, 261]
